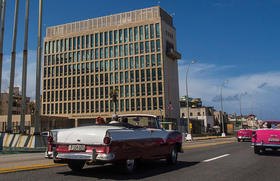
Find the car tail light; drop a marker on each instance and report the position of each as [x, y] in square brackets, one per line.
[107, 140]
[50, 139]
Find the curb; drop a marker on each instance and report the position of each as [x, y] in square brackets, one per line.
[210, 137]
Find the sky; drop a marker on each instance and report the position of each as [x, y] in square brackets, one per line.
[232, 40]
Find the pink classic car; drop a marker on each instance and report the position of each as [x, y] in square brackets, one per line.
[266, 137]
[244, 134]
[122, 143]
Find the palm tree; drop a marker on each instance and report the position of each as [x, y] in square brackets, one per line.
[114, 95]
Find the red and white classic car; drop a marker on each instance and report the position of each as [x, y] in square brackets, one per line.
[266, 137]
[121, 143]
[244, 134]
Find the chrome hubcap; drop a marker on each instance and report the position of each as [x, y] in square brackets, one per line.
[174, 155]
[130, 165]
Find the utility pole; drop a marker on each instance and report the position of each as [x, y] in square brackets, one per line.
[37, 123]
[189, 136]
[24, 70]
[12, 73]
[222, 112]
[3, 8]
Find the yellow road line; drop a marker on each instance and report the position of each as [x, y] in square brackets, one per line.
[205, 145]
[32, 168]
[6, 141]
[13, 168]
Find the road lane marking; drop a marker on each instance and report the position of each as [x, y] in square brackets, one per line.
[13, 168]
[206, 145]
[33, 168]
[215, 158]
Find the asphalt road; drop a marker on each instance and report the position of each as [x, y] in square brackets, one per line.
[203, 160]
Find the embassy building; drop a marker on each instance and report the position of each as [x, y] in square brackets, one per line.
[133, 52]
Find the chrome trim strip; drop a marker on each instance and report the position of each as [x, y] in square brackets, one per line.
[266, 144]
[86, 156]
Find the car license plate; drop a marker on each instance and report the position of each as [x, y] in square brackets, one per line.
[274, 140]
[77, 147]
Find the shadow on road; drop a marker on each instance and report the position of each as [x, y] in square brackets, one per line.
[144, 170]
[271, 153]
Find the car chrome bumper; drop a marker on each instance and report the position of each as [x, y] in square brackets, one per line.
[91, 156]
[244, 137]
[266, 144]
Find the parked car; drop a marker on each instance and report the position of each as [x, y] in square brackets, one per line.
[268, 137]
[244, 135]
[120, 143]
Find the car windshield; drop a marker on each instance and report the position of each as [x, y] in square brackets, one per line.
[142, 121]
[272, 125]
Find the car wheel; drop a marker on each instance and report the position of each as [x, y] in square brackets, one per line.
[257, 150]
[238, 140]
[76, 165]
[172, 157]
[129, 166]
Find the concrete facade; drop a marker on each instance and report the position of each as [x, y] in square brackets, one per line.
[204, 115]
[134, 52]
[16, 106]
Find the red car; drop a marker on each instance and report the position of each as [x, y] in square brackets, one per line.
[244, 135]
[268, 137]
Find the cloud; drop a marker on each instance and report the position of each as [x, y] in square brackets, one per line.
[217, 98]
[259, 91]
[262, 85]
[31, 72]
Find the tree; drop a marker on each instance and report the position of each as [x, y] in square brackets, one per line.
[114, 95]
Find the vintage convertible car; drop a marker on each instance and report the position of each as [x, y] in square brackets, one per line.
[266, 137]
[120, 143]
[244, 134]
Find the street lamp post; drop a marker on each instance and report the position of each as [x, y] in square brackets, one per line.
[222, 114]
[189, 136]
[241, 110]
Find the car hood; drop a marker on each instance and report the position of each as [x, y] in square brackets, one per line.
[82, 135]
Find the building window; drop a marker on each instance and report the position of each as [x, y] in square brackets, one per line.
[115, 36]
[125, 35]
[132, 104]
[152, 30]
[110, 37]
[148, 75]
[121, 36]
[131, 90]
[92, 106]
[152, 46]
[153, 74]
[122, 105]
[148, 89]
[130, 35]
[146, 32]
[159, 88]
[154, 103]
[147, 61]
[147, 47]
[160, 102]
[158, 45]
[159, 74]
[149, 104]
[96, 39]
[126, 105]
[157, 30]
[154, 89]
